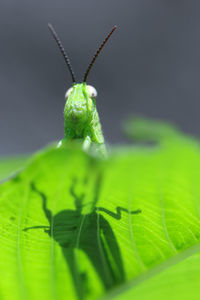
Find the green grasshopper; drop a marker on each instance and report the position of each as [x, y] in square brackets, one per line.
[80, 112]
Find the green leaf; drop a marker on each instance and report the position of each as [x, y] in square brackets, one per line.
[77, 227]
[11, 165]
[181, 281]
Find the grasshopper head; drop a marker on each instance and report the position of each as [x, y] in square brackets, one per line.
[80, 109]
[80, 102]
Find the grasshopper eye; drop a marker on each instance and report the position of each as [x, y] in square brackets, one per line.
[68, 93]
[91, 91]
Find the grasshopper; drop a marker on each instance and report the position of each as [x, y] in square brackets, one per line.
[80, 113]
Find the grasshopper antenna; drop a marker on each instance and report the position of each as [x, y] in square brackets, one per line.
[97, 54]
[66, 58]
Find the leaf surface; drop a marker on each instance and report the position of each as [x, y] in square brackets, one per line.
[78, 227]
[179, 282]
[11, 165]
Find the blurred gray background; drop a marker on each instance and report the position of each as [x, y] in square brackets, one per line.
[150, 67]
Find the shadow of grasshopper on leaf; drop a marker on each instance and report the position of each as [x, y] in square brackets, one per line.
[91, 233]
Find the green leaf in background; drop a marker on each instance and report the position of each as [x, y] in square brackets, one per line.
[75, 227]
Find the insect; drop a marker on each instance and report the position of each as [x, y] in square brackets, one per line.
[80, 112]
